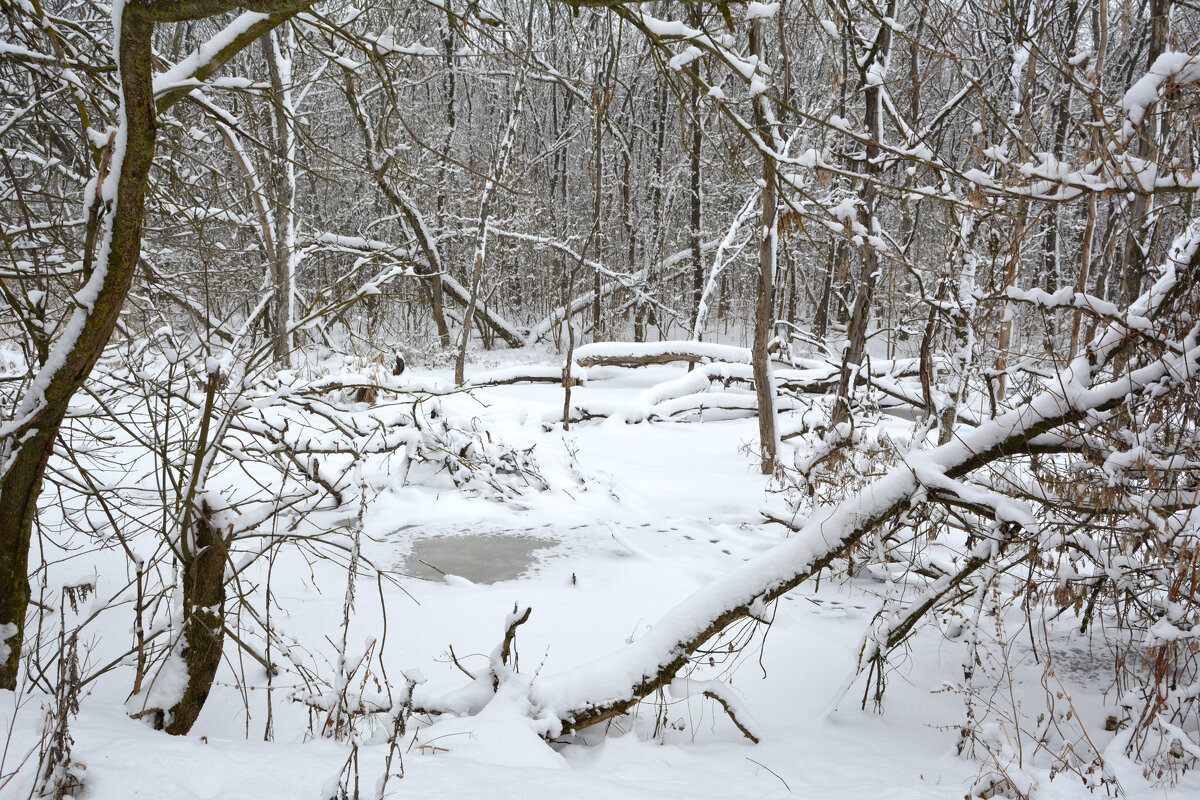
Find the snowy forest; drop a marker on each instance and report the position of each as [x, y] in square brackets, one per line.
[665, 399]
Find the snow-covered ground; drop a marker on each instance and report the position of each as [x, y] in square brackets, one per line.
[638, 517]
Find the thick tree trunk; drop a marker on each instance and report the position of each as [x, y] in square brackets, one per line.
[29, 440]
[26, 442]
[860, 317]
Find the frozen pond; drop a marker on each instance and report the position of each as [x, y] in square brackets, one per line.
[480, 558]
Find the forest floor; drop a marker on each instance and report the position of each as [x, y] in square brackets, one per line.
[637, 518]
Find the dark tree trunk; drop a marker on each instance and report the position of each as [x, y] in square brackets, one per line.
[696, 197]
[28, 449]
[860, 317]
[204, 560]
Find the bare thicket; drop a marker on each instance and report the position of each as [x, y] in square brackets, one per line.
[977, 216]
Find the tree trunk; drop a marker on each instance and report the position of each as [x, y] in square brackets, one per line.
[436, 288]
[1140, 220]
[282, 180]
[26, 442]
[204, 558]
[764, 383]
[485, 215]
[697, 140]
[30, 439]
[860, 317]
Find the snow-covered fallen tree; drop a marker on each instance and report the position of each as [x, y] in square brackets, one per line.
[627, 354]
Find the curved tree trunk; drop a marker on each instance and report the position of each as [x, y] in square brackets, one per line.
[27, 441]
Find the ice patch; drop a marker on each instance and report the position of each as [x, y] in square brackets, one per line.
[480, 558]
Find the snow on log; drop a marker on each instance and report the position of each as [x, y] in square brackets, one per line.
[641, 354]
[701, 389]
[678, 408]
[526, 374]
[735, 404]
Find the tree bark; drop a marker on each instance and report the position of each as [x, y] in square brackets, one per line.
[695, 193]
[26, 442]
[204, 558]
[764, 385]
[282, 177]
[860, 317]
[30, 440]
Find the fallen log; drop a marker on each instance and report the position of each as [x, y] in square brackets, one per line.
[642, 354]
[671, 408]
[525, 374]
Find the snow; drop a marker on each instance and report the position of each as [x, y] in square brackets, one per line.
[648, 516]
[689, 55]
[7, 631]
[183, 74]
[655, 527]
[666, 28]
[698, 350]
[524, 373]
[1171, 66]
[756, 10]
[165, 687]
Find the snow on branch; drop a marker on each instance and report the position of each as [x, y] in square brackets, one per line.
[1170, 70]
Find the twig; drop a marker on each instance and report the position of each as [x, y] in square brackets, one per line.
[454, 658]
[733, 718]
[773, 772]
